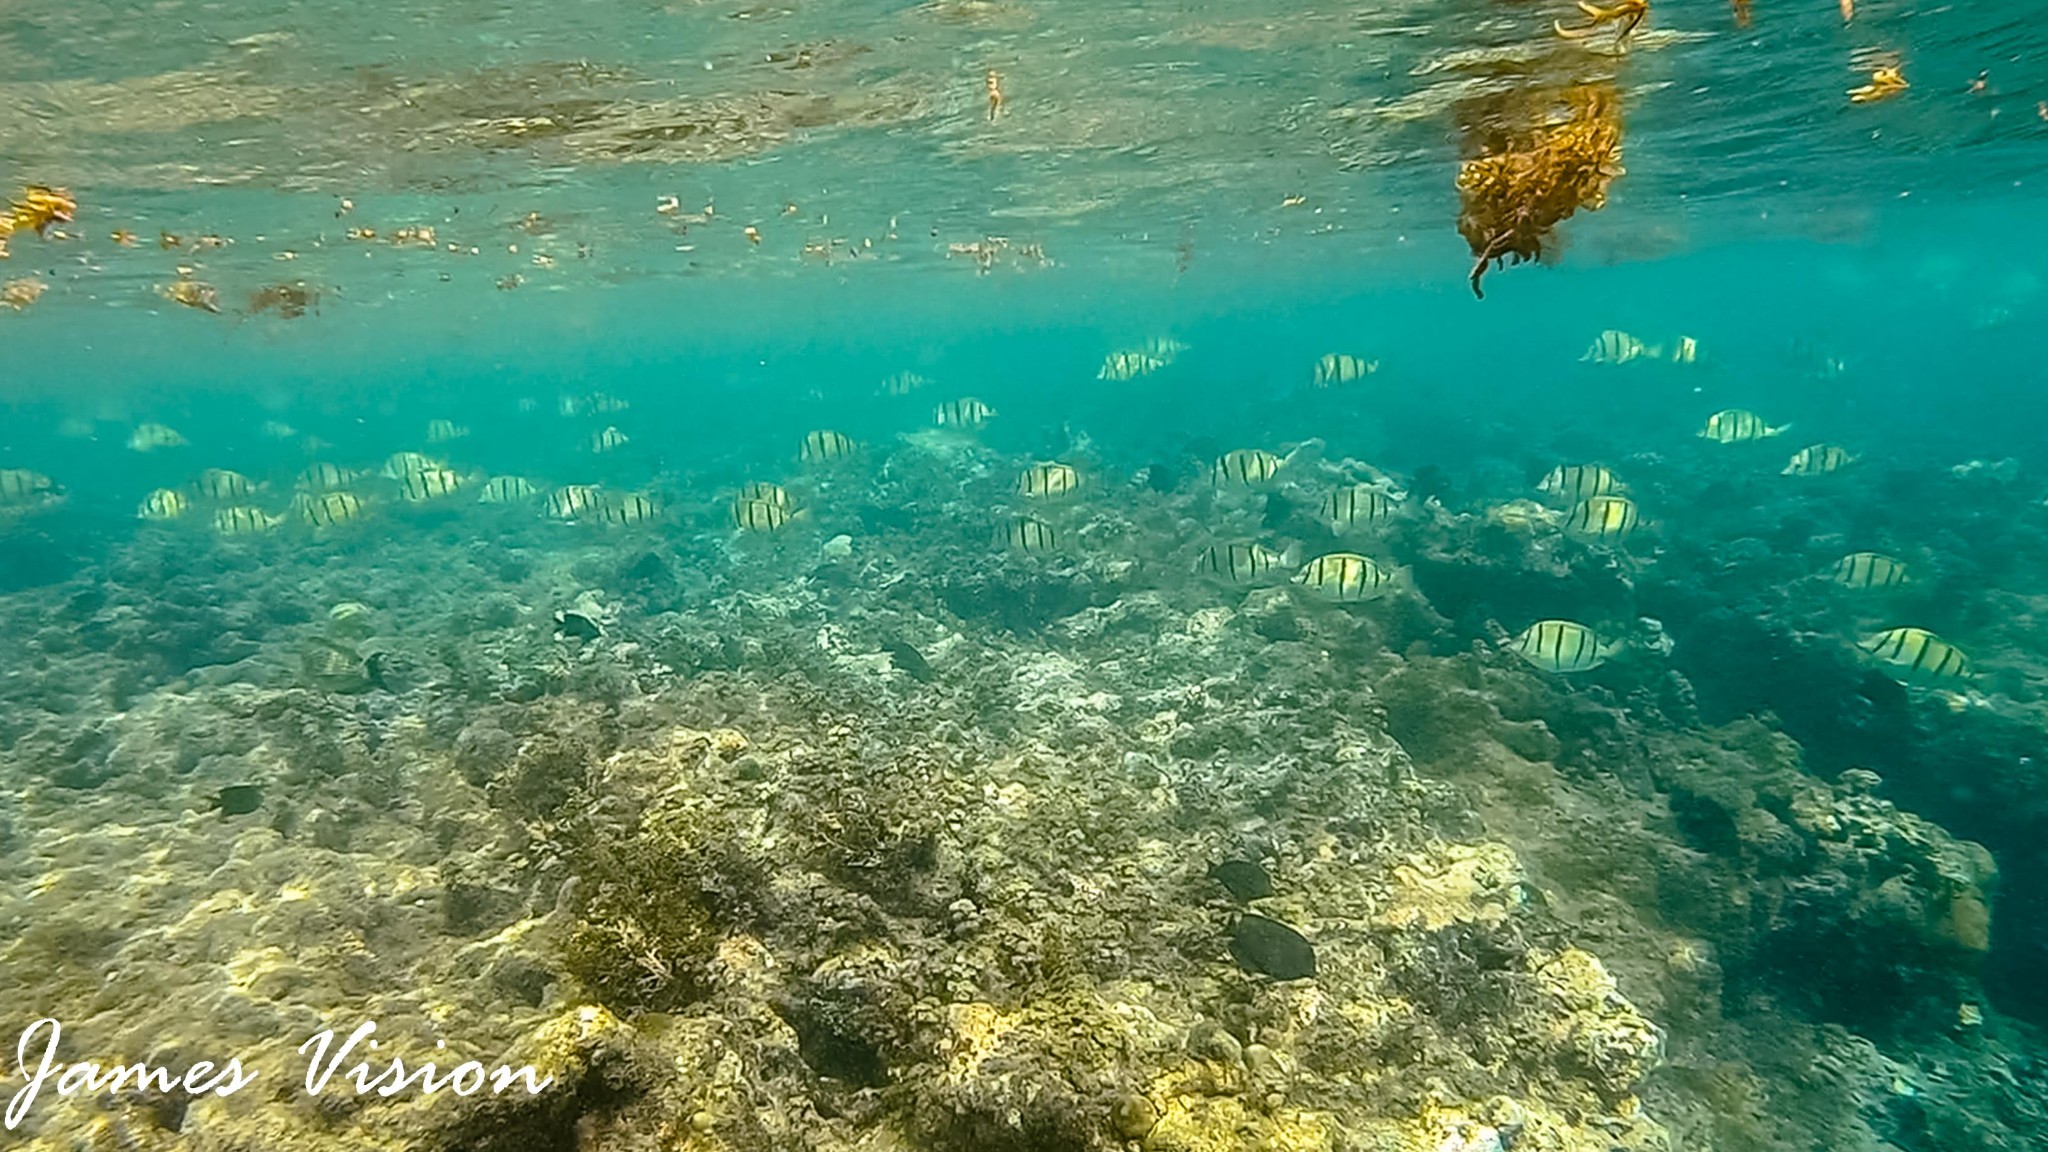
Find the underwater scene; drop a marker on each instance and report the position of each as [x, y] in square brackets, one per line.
[1024, 576]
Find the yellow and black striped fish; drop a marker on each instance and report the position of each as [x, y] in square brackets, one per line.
[1357, 506]
[1128, 365]
[330, 509]
[164, 504]
[445, 431]
[1342, 368]
[1344, 576]
[150, 437]
[760, 515]
[774, 494]
[1608, 518]
[1818, 460]
[1869, 570]
[1685, 351]
[22, 486]
[403, 464]
[1164, 349]
[966, 412]
[1738, 426]
[1562, 646]
[1244, 467]
[1617, 347]
[326, 478]
[1242, 563]
[221, 484]
[1576, 482]
[1026, 534]
[431, 484]
[1918, 656]
[1042, 481]
[507, 490]
[824, 445]
[244, 521]
[571, 501]
[631, 508]
[903, 384]
[610, 439]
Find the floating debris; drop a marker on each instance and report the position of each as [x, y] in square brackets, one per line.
[1513, 199]
[193, 294]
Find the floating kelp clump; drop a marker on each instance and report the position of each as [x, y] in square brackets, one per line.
[1512, 198]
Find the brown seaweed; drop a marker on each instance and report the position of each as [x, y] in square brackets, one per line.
[1514, 196]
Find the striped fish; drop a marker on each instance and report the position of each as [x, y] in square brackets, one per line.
[570, 501]
[760, 515]
[402, 464]
[1617, 347]
[1869, 570]
[1818, 460]
[1344, 576]
[244, 521]
[774, 494]
[330, 509]
[431, 484]
[150, 437]
[1336, 368]
[1608, 518]
[1242, 563]
[631, 508]
[610, 439]
[1357, 506]
[326, 478]
[1244, 467]
[966, 412]
[903, 384]
[1738, 426]
[1128, 365]
[1686, 351]
[1576, 482]
[825, 445]
[445, 431]
[1917, 656]
[1562, 646]
[22, 486]
[507, 490]
[221, 484]
[1041, 481]
[163, 504]
[1026, 534]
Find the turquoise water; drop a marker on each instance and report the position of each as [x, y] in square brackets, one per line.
[966, 798]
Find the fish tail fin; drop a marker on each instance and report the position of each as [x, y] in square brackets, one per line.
[1290, 556]
[1780, 430]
